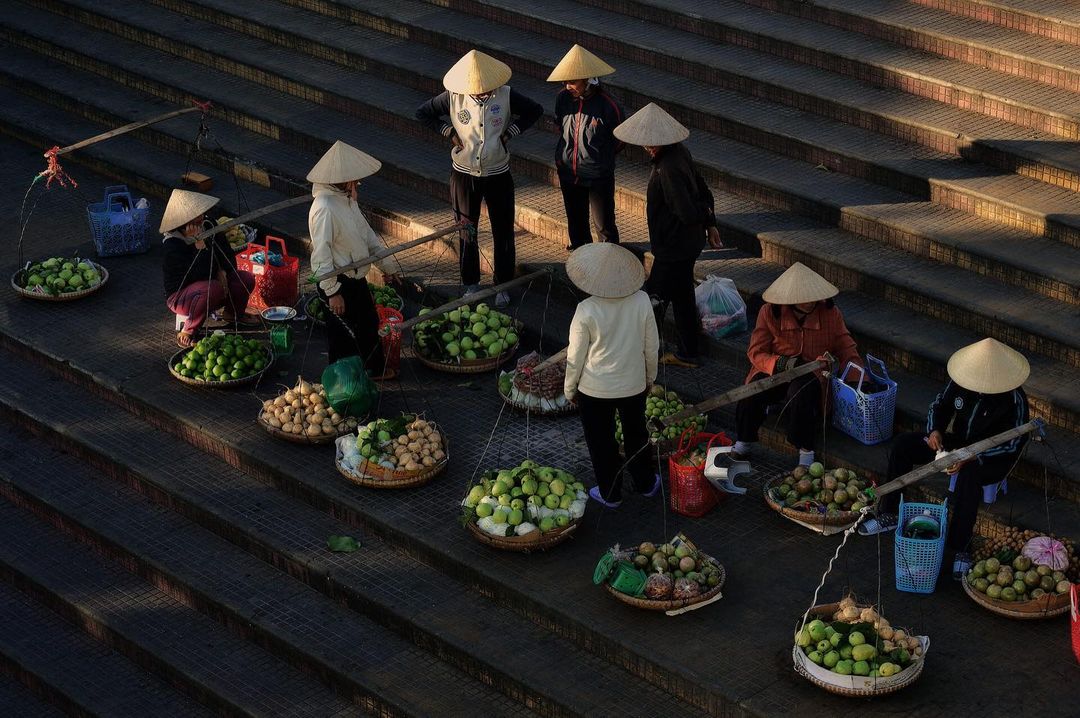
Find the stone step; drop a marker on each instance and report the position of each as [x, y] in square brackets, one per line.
[1047, 18]
[1004, 49]
[1007, 97]
[57, 662]
[381, 583]
[546, 208]
[149, 626]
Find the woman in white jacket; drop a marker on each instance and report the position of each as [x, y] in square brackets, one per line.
[340, 235]
[610, 364]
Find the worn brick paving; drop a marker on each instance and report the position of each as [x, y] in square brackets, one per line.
[17, 699]
[1048, 18]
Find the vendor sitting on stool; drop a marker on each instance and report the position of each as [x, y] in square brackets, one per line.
[982, 398]
[798, 323]
[610, 364]
[200, 276]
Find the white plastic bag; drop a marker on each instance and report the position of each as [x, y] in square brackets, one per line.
[722, 309]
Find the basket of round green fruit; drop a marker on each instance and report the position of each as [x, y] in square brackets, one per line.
[397, 453]
[466, 340]
[527, 508]
[385, 296]
[316, 308]
[59, 279]
[1030, 585]
[660, 404]
[848, 649]
[221, 360]
[813, 496]
[670, 577]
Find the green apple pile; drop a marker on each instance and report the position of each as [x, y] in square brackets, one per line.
[465, 334]
[222, 357]
[387, 297]
[814, 489]
[661, 404]
[60, 275]
[858, 642]
[524, 500]
[1018, 581]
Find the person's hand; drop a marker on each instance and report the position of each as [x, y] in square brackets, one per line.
[934, 441]
[200, 244]
[956, 467]
[337, 304]
[458, 144]
[713, 235]
[392, 279]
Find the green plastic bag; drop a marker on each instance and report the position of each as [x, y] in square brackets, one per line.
[348, 388]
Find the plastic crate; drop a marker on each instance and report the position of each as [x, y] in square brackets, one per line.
[866, 417]
[918, 561]
[117, 225]
[391, 338]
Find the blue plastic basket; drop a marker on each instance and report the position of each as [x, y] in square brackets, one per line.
[918, 561]
[867, 418]
[118, 226]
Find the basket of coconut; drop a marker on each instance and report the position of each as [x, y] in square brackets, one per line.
[674, 577]
[539, 393]
[303, 415]
[393, 453]
[848, 649]
[527, 508]
[1026, 581]
[826, 501]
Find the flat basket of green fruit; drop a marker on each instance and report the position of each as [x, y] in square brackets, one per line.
[59, 279]
[1030, 584]
[849, 650]
[221, 361]
[466, 340]
[815, 497]
[670, 577]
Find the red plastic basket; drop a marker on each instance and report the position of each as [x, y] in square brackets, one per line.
[391, 337]
[1074, 616]
[274, 286]
[690, 492]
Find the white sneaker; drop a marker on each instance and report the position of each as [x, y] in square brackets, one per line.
[502, 299]
[471, 289]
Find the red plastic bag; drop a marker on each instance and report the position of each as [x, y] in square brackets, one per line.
[690, 492]
[1074, 615]
[390, 336]
[275, 286]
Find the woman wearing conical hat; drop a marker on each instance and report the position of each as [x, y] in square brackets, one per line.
[341, 235]
[200, 276]
[983, 397]
[798, 323]
[679, 210]
[585, 151]
[480, 114]
[610, 364]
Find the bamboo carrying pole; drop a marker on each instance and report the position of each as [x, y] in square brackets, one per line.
[451, 306]
[964, 454]
[125, 129]
[381, 254]
[550, 361]
[253, 214]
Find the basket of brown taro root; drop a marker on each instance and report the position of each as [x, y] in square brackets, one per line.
[536, 392]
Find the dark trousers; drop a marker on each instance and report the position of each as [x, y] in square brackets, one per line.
[673, 282]
[598, 423]
[910, 450]
[356, 332]
[596, 199]
[801, 414]
[497, 191]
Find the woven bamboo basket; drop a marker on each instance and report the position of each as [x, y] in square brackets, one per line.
[855, 686]
[373, 476]
[302, 438]
[535, 541]
[224, 384]
[468, 366]
[844, 518]
[570, 408]
[69, 297]
[1049, 606]
[650, 604]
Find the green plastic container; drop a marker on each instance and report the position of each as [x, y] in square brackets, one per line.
[281, 340]
[621, 575]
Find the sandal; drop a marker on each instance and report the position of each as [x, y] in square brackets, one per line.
[673, 359]
[244, 320]
[655, 488]
[879, 525]
[594, 494]
[387, 375]
[184, 340]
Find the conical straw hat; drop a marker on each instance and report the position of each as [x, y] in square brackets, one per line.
[184, 206]
[605, 270]
[343, 163]
[799, 285]
[579, 64]
[988, 367]
[651, 126]
[476, 73]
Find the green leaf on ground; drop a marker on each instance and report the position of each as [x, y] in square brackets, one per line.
[342, 544]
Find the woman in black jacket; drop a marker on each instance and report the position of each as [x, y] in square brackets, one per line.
[679, 210]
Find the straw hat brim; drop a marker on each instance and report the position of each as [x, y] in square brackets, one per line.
[605, 270]
[799, 285]
[476, 73]
[579, 64]
[343, 163]
[184, 206]
[988, 367]
[651, 126]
